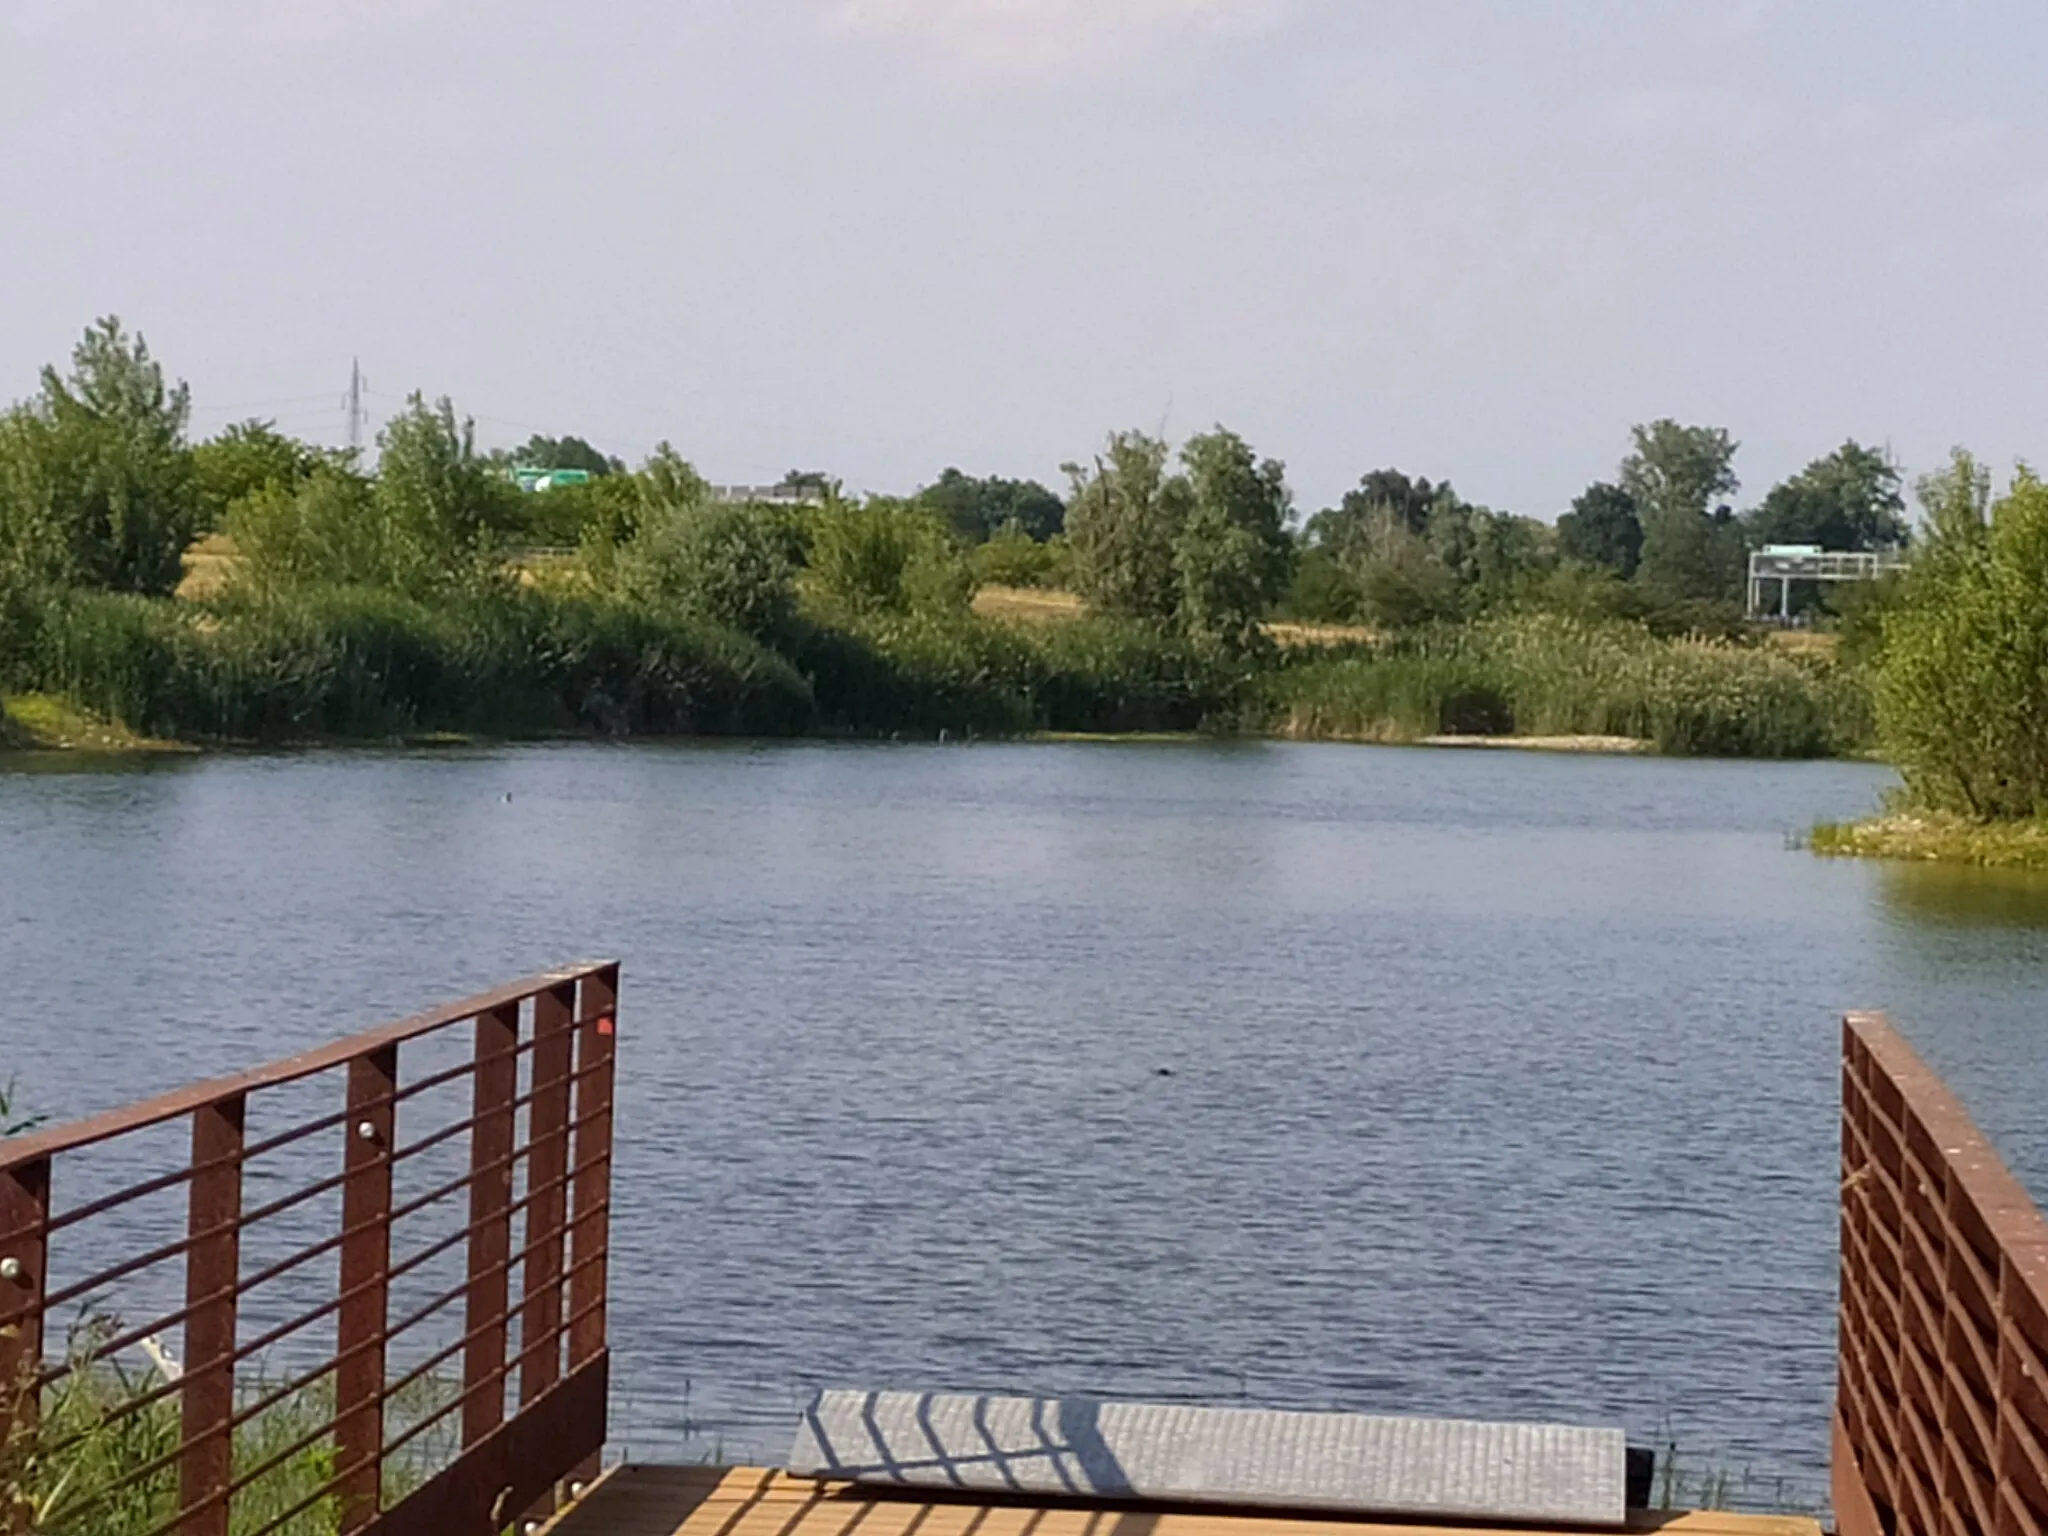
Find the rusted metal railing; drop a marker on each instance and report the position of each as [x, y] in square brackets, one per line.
[1941, 1416]
[371, 1277]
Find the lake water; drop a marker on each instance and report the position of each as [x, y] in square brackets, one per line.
[1500, 1085]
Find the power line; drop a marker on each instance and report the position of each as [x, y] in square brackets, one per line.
[214, 407]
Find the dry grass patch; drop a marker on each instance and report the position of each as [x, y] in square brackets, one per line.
[209, 566]
[1805, 642]
[1289, 632]
[1028, 605]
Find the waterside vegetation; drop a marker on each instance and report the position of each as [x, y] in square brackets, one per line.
[1958, 650]
[250, 588]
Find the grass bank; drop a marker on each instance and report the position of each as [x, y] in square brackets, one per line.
[41, 722]
[1937, 837]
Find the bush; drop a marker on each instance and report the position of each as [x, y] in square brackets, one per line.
[1097, 676]
[622, 669]
[923, 675]
[886, 557]
[1962, 691]
[21, 621]
[1012, 558]
[1322, 591]
[733, 565]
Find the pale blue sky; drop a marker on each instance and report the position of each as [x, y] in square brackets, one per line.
[1474, 238]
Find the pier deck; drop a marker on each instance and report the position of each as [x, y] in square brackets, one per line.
[759, 1501]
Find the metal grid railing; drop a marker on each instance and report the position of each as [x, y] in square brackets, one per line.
[1941, 1420]
[319, 1259]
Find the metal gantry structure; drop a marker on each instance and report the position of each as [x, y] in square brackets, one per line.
[1787, 563]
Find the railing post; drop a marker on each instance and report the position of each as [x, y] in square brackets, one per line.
[24, 1214]
[547, 1202]
[491, 1139]
[590, 1225]
[365, 1264]
[547, 1171]
[212, 1272]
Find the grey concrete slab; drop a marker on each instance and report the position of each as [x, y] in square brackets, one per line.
[1354, 1463]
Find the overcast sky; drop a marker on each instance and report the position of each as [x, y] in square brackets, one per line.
[1469, 238]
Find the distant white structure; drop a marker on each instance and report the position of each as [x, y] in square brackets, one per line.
[770, 495]
[1787, 563]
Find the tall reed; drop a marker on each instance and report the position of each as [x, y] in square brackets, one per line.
[1547, 675]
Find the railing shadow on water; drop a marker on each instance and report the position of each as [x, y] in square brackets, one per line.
[284, 1301]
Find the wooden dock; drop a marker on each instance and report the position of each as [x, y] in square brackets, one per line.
[759, 1501]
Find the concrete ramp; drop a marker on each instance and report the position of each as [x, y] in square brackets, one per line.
[1340, 1462]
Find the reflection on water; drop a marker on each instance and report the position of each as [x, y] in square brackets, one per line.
[1500, 1084]
[1963, 896]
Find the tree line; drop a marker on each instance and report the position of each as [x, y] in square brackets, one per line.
[419, 587]
[101, 488]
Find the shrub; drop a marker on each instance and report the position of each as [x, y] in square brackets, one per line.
[1012, 558]
[1962, 691]
[321, 530]
[733, 565]
[883, 557]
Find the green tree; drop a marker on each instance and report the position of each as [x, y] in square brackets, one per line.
[616, 508]
[539, 452]
[976, 508]
[1123, 520]
[1231, 552]
[96, 483]
[730, 563]
[323, 531]
[1956, 503]
[1402, 582]
[1602, 530]
[444, 509]
[1962, 687]
[1510, 558]
[1849, 500]
[1385, 493]
[1677, 476]
[886, 557]
[1012, 558]
[1324, 589]
[244, 458]
[813, 484]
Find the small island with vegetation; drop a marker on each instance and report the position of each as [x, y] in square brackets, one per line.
[251, 588]
[1960, 682]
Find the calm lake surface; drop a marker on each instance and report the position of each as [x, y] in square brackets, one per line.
[1501, 1085]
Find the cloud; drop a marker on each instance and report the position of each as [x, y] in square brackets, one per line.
[1036, 38]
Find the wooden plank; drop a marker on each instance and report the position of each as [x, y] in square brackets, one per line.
[757, 1501]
